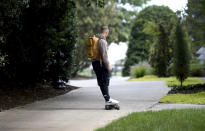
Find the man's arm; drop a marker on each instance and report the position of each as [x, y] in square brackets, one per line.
[102, 44]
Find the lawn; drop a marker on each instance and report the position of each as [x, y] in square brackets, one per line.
[170, 81]
[195, 98]
[192, 98]
[167, 120]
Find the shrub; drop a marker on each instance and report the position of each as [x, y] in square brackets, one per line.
[38, 39]
[196, 69]
[139, 72]
[170, 69]
[187, 89]
[150, 71]
[141, 69]
[181, 53]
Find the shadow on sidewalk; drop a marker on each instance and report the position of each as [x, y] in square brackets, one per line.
[60, 109]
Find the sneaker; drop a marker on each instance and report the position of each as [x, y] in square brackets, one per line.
[111, 102]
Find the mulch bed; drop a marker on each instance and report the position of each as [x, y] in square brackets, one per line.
[13, 97]
[190, 89]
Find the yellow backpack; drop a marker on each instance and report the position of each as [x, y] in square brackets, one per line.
[92, 50]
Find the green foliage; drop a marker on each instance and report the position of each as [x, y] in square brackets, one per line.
[160, 58]
[195, 98]
[196, 69]
[188, 89]
[10, 12]
[38, 40]
[170, 69]
[173, 81]
[170, 81]
[161, 45]
[91, 18]
[97, 3]
[166, 120]
[141, 41]
[133, 2]
[196, 22]
[181, 54]
[139, 71]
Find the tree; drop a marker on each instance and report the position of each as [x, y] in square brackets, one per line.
[90, 20]
[195, 23]
[43, 32]
[10, 12]
[181, 53]
[160, 58]
[138, 47]
[161, 44]
[92, 17]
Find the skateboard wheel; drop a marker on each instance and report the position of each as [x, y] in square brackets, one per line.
[107, 107]
[118, 108]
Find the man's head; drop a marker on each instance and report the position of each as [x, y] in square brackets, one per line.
[105, 31]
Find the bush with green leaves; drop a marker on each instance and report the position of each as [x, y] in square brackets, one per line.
[141, 69]
[118, 18]
[38, 39]
[181, 53]
[196, 69]
[139, 47]
[187, 89]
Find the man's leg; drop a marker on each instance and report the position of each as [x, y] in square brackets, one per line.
[105, 83]
[102, 78]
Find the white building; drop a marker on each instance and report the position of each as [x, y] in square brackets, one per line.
[201, 53]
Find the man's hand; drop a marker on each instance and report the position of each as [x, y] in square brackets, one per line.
[110, 68]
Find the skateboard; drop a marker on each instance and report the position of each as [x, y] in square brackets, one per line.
[110, 107]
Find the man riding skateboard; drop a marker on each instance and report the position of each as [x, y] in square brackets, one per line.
[103, 69]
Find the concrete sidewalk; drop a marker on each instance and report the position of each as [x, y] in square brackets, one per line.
[83, 109]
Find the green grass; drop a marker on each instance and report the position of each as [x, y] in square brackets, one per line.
[167, 120]
[170, 81]
[195, 98]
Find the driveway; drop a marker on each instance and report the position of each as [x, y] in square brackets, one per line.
[83, 109]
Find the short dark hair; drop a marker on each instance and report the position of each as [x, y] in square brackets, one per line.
[104, 28]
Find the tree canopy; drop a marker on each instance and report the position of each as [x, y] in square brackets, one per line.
[138, 47]
[91, 18]
[181, 53]
[195, 22]
[37, 40]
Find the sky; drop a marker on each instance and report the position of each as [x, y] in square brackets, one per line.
[173, 4]
[117, 52]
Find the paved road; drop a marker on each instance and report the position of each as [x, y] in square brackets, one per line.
[202, 78]
[83, 109]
